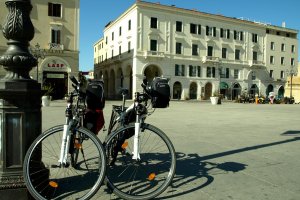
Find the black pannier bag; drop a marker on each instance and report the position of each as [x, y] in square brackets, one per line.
[160, 92]
[95, 95]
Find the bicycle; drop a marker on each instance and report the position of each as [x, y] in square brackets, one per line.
[141, 157]
[66, 161]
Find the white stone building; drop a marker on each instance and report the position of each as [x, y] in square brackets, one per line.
[56, 26]
[200, 53]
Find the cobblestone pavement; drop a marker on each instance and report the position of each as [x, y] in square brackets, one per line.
[224, 152]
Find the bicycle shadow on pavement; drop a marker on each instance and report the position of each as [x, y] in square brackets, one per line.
[194, 172]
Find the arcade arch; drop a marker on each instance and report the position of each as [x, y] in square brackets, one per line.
[177, 90]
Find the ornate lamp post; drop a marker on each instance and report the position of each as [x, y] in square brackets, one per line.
[20, 99]
[291, 72]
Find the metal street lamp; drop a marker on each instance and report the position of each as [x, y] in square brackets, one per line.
[291, 72]
[37, 52]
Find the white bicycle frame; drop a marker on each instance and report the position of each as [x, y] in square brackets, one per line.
[65, 144]
[137, 130]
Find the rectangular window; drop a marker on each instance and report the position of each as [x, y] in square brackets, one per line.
[178, 26]
[228, 34]
[282, 74]
[238, 35]
[182, 72]
[106, 40]
[272, 46]
[54, 9]
[254, 37]
[112, 53]
[227, 72]
[199, 71]
[55, 36]
[210, 72]
[193, 28]
[112, 36]
[224, 72]
[237, 54]
[225, 33]
[293, 49]
[210, 50]
[282, 47]
[153, 45]
[195, 50]
[224, 52]
[292, 61]
[271, 59]
[282, 60]
[178, 47]
[129, 25]
[192, 71]
[129, 47]
[179, 70]
[211, 31]
[120, 50]
[254, 57]
[236, 74]
[120, 31]
[199, 29]
[153, 23]
[271, 73]
[176, 70]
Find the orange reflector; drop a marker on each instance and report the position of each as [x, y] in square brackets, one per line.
[53, 184]
[125, 145]
[78, 146]
[151, 176]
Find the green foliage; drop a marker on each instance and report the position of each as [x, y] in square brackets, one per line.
[47, 90]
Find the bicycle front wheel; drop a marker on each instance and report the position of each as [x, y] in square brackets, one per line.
[45, 178]
[146, 177]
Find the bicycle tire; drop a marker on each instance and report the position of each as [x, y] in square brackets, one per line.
[45, 179]
[152, 174]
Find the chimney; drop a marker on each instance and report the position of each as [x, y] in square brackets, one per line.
[283, 24]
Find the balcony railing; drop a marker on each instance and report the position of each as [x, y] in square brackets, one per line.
[210, 59]
[256, 63]
[54, 46]
[154, 54]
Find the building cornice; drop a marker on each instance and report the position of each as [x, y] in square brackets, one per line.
[193, 13]
[218, 17]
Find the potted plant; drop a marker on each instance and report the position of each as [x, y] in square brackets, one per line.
[46, 90]
[215, 98]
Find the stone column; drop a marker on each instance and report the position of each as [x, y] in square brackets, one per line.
[20, 105]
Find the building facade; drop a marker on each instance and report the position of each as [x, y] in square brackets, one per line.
[200, 53]
[55, 44]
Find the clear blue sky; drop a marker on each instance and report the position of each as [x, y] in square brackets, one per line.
[95, 14]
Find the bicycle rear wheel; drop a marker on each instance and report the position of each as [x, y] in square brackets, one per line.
[46, 179]
[145, 178]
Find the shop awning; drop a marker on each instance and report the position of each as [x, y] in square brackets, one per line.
[223, 85]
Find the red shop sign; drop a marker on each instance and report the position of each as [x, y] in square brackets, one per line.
[56, 65]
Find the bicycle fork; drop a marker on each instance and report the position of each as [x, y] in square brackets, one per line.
[137, 129]
[65, 145]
